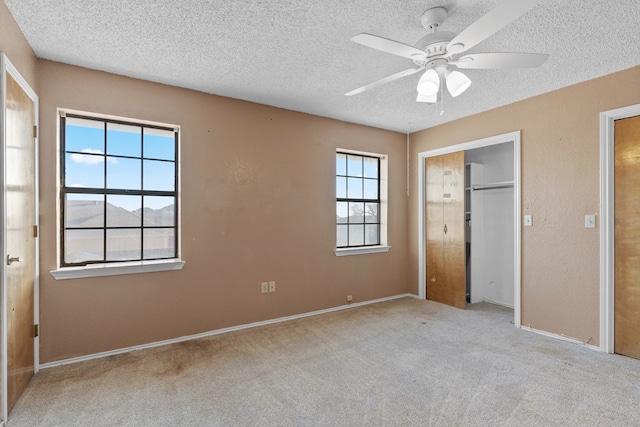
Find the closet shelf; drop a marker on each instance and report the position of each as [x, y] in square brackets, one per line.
[504, 184]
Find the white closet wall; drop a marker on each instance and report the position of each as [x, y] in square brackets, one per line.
[494, 246]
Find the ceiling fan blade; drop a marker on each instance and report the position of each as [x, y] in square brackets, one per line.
[489, 24]
[387, 79]
[500, 60]
[389, 46]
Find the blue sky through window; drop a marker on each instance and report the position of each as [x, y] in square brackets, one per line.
[85, 158]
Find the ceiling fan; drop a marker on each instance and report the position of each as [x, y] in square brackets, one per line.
[438, 52]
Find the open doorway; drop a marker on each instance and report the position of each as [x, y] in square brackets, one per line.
[489, 218]
[493, 168]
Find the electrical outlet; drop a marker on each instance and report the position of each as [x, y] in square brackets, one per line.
[590, 221]
[272, 286]
[349, 298]
[264, 287]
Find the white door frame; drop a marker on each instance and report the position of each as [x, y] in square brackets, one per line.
[607, 255]
[513, 137]
[7, 67]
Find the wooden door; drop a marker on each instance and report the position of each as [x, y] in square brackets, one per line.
[445, 230]
[627, 237]
[434, 211]
[454, 236]
[20, 246]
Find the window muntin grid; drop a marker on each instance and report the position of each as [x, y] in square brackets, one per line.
[119, 184]
[357, 200]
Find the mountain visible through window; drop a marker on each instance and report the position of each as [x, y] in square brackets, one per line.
[357, 200]
[119, 191]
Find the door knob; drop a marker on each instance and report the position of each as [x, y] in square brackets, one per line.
[445, 229]
[12, 259]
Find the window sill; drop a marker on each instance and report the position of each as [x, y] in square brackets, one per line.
[361, 251]
[115, 269]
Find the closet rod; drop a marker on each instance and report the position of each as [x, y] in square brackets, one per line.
[491, 186]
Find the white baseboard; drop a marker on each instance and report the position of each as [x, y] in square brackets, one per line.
[503, 304]
[216, 332]
[560, 337]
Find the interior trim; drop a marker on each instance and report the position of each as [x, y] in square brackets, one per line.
[362, 250]
[218, 332]
[561, 337]
[117, 268]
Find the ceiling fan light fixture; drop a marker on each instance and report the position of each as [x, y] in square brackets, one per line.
[429, 83]
[428, 99]
[457, 83]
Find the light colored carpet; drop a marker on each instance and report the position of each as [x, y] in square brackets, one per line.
[397, 363]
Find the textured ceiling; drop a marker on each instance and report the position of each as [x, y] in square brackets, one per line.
[297, 54]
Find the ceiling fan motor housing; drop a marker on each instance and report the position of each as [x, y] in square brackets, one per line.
[435, 44]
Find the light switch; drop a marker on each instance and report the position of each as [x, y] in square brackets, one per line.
[589, 221]
[528, 221]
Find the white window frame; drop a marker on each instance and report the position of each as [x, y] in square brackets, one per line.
[114, 268]
[384, 178]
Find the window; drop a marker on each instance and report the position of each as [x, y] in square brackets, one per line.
[118, 191]
[360, 204]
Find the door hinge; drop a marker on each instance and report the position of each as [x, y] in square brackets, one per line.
[35, 131]
[35, 231]
[36, 331]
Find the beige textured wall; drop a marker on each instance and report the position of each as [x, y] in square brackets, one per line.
[257, 199]
[15, 46]
[258, 191]
[560, 184]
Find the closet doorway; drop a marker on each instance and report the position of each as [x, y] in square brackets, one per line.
[489, 217]
[490, 208]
